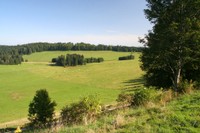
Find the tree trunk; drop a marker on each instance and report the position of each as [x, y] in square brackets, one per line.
[177, 76]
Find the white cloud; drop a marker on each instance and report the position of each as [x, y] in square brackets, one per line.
[116, 39]
[124, 39]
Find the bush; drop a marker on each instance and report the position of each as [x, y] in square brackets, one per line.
[197, 85]
[54, 60]
[129, 57]
[185, 86]
[125, 98]
[141, 97]
[85, 110]
[41, 109]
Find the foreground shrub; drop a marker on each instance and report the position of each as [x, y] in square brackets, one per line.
[85, 111]
[196, 85]
[185, 86]
[41, 109]
[125, 98]
[141, 97]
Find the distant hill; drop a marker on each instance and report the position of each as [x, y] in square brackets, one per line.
[13, 54]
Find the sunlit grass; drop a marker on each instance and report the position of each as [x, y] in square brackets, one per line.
[18, 83]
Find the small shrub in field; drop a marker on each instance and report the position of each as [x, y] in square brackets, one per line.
[197, 85]
[166, 96]
[125, 98]
[85, 110]
[141, 97]
[119, 121]
[185, 86]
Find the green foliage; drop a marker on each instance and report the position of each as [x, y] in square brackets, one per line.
[54, 60]
[180, 115]
[61, 60]
[93, 60]
[69, 60]
[197, 85]
[41, 109]
[74, 60]
[10, 55]
[141, 97]
[185, 86]
[129, 57]
[10, 59]
[172, 48]
[85, 110]
[125, 97]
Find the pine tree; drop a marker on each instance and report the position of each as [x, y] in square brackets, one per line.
[41, 109]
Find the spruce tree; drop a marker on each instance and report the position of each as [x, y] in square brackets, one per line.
[41, 109]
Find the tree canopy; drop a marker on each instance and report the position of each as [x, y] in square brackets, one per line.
[41, 109]
[172, 47]
[13, 54]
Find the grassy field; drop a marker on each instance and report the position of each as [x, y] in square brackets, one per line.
[18, 83]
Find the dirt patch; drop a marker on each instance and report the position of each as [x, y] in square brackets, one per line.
[16, 96]
[14, 123]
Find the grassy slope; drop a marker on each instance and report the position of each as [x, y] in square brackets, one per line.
[18, 83]
[182, 115]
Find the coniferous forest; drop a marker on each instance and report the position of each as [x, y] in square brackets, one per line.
[13, 54]
[74, 60]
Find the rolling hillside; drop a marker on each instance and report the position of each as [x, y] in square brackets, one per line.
[65, 85]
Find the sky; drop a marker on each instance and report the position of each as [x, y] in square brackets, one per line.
[110, 22]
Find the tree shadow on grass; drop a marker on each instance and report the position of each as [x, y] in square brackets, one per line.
[7, 130]
[133, 84]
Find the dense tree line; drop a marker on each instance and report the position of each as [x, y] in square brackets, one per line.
[129, 57]
[69, 60]
[172, 49]
[38, 47]
[13, 54]
[74, 60]
[10, 59]
[93, 60]
[9, 55]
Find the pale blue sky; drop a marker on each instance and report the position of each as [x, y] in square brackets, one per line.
[111, 22]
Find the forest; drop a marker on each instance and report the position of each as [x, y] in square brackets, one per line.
[13, 54]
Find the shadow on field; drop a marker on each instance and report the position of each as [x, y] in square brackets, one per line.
[7, 130]
[131, 85]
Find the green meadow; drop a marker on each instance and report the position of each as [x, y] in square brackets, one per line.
[18, 83]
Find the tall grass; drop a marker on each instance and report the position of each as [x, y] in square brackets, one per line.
[178, 116]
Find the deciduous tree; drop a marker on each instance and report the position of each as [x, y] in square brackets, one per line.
[172, 48]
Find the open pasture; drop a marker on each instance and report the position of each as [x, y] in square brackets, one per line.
[18, 83]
